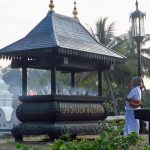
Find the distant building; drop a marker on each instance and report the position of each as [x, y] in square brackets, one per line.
[5, 96]
[8, 117]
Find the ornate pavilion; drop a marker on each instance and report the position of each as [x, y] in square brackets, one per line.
[59, 43]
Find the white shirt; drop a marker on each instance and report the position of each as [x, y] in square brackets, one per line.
[135, 94]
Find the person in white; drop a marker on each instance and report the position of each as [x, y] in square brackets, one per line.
[133, 101]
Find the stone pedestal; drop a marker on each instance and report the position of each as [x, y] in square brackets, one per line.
[59, 114]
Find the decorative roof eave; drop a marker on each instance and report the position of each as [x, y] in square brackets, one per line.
[92, 56]
[30, 54]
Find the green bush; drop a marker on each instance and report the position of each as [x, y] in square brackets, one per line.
[146, 147]
[110, 139]
[25, 147]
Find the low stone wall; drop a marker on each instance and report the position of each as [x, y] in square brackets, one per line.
[110, 118]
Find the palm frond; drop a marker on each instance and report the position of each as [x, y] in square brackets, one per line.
[145, 65]
[146, 39]
[146, 51]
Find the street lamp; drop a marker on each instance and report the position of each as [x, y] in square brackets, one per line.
[138, 32]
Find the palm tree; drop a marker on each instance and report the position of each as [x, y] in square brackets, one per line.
[125, 45]
[104, 33]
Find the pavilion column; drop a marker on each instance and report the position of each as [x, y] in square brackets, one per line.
[72, 79]
[100, 83]
[24, 81]
[53, 80]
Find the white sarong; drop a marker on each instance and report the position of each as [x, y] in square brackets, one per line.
[131, 124]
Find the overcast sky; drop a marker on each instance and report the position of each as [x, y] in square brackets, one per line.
[18, 17]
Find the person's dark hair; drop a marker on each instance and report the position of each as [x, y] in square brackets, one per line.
[136, 81]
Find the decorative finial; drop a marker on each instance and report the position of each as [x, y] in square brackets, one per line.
[136, 5]
[75, 12]
[51, 5]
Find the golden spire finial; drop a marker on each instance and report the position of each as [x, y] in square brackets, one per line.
[75, 12]
[51, 5]
[136, 5]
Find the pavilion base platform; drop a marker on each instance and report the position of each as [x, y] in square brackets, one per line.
[55, 130]
[59, 114]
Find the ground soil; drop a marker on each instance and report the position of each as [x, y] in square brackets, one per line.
[7, 142]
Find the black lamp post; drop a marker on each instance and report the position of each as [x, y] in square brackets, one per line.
[138, 32]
